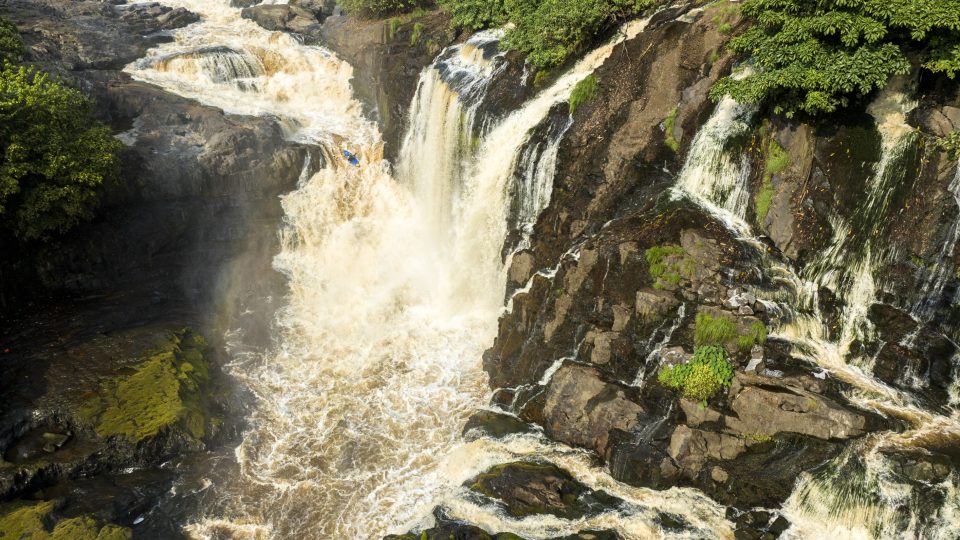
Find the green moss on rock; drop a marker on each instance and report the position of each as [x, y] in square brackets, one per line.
[161, 391]
[35, 521]
[669, 265]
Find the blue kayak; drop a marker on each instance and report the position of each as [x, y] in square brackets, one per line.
[352, 159]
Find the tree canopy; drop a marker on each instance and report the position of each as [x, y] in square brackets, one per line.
[53, 156]
[815, 56]
[549, 31]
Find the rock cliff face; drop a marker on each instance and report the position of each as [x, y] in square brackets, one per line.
[621, 277]
[620, 274]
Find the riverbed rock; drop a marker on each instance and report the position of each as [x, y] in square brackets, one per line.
[284, 18]
[45, 520]
[768, 412]
[109, 402]
[537, 488]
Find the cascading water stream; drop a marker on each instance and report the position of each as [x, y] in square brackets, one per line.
[858, 495]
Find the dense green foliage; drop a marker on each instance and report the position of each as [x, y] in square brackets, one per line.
[53, 155]
[549, 31]
[583, 92]
[815, 56]
[700, 378]
[377, 8]
[710, 330]
[11, 47]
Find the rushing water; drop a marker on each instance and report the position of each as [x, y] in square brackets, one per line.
[395, 288]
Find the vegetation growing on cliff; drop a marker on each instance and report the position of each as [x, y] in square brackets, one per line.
[700, 378]
[815, 56]
[549, 31]
[378, 8]
[668, 265]
[11, 47]
[583, 92]
[776, 160]
[53, 156]
[710, 330]
[951, 144]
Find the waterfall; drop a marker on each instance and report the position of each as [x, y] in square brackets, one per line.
[535, 169]
[441, 139]
[712, 176]
[395, 285]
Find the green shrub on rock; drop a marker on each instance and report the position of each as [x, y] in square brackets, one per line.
[668, 265]
[815, 56]
[54, 156]
[950, 144]
[11, 46]
[378, 8]
[757, 335]
[700, 378]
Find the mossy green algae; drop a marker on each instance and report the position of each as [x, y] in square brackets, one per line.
[34, 521]
[159, 392]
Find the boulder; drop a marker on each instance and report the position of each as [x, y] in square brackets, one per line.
[494, 424]
[655, 304]
[768, 410]
[536, 488]
[284, 18]
[321, 9]
[581, 408]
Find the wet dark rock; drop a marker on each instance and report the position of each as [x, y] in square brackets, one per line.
[140, 398]
[922, 466]
[614, 157]
[451, 529]
[591, 535]
[533, 488]
[581, 408]
[643, 462]
[757, 524]
[494, 424]
[321, 9]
